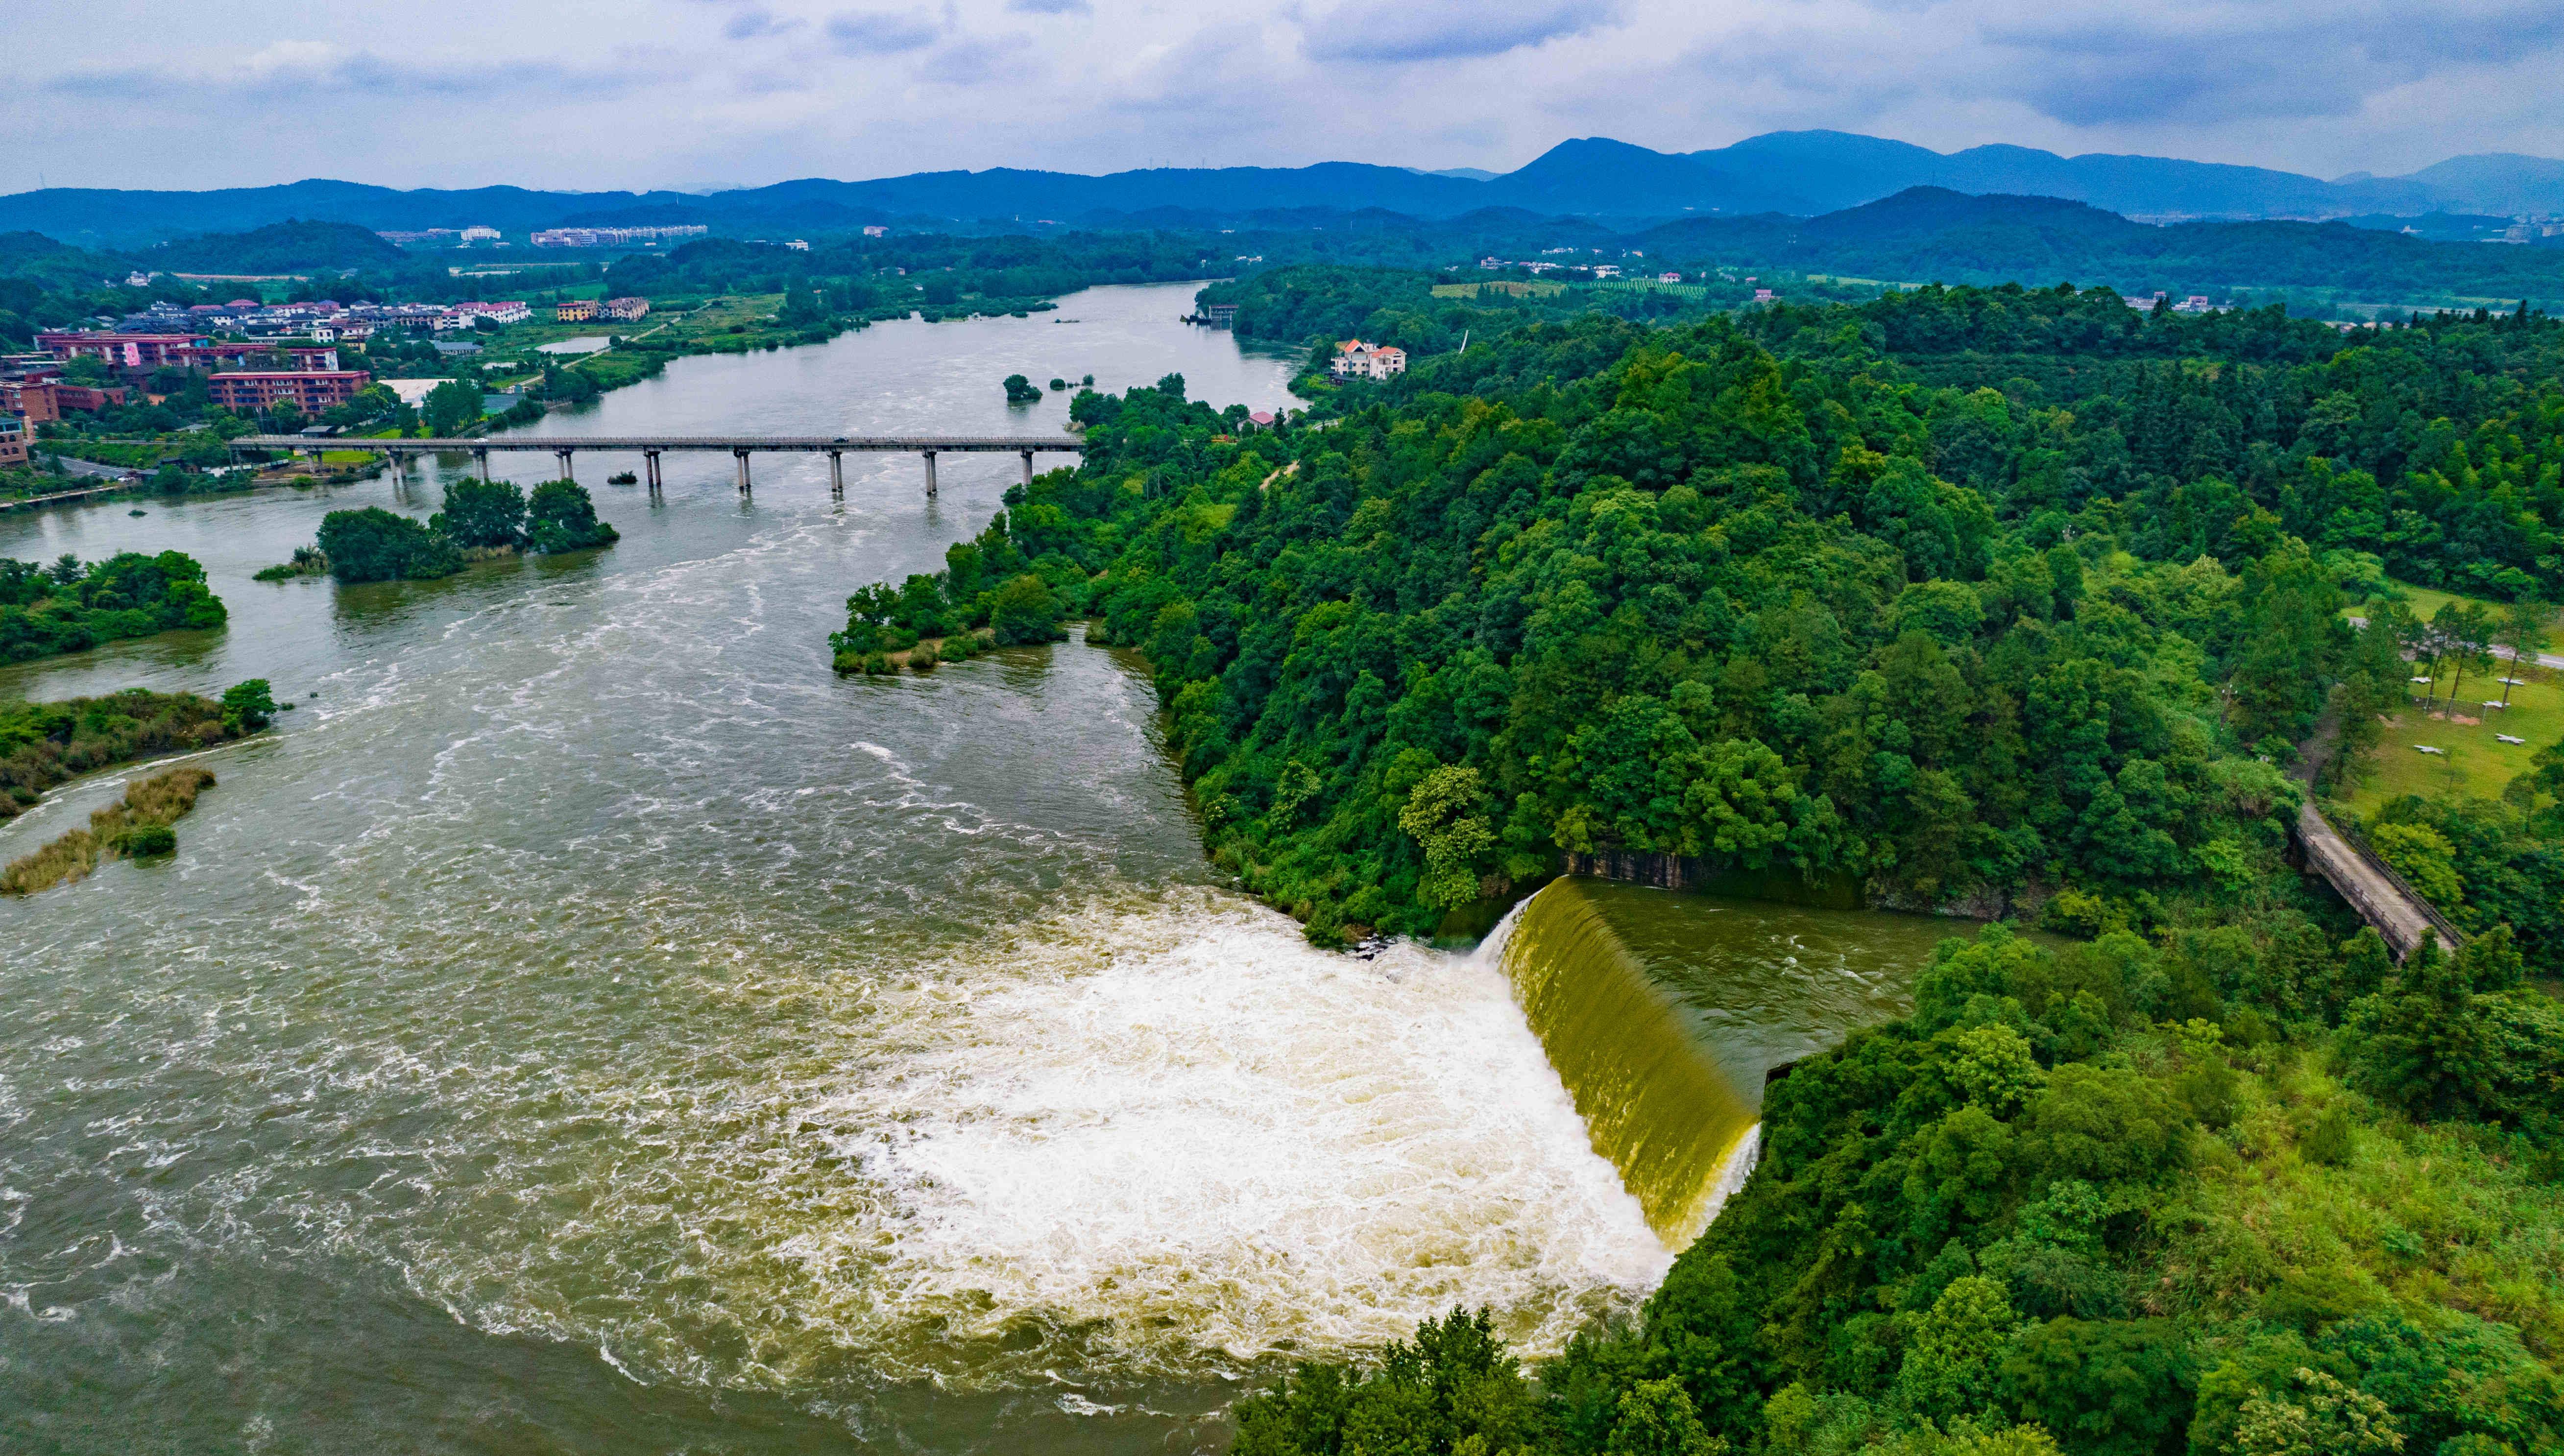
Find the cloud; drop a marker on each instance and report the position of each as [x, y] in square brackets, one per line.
[1437, 30]
[882, 31]
[756, 21]
[2246, 60]
[290, 69]
[979, 62]
[1050, 7]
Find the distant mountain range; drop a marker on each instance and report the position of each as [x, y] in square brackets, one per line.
[1931, 234]
[1796, 173]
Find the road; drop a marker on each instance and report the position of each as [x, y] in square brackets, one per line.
[2544, 659]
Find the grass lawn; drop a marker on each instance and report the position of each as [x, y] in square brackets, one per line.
[2424, 602]
[2476, 765]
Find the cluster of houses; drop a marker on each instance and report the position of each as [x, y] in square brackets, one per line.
[583, 310]
[33, 387]
[1594, 271]
[255, 355]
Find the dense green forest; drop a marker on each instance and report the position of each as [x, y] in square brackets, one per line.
[1600, 585]
[2227, 1191]
[1997, 593]
[1932, 235]
[71, 607]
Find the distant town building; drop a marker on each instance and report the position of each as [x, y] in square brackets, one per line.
[1762, 296]
[40, 400]
[574, 310]
[239, 355]
[798, 245]
[472, 312]
[13, 440]
[313, 390]
[627, 308]
[1606, 270]
[1669, 277]
[480, 235]
[876, 231]
[1355, 359]
[125, 350]
[610, 237]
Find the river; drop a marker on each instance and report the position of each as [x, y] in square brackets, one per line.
[589, 1024]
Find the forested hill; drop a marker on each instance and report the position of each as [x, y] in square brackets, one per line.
[1930, 235]
[2217, 1176]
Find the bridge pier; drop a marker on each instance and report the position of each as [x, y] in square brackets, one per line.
[650, 468]
[563, 457]
[1028, 465]
[930, 475]
[482, 457]
[741, 456]
[836, 475]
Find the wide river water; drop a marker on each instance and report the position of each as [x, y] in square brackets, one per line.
[589, 1024]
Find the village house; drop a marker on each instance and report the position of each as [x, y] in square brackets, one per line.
[1355, 359]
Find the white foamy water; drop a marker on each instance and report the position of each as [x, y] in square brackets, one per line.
[1196, 1118]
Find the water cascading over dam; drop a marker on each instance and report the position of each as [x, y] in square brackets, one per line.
[1663, 1013]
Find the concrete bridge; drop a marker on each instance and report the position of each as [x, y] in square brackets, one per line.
[2371, 887]
[2367, 883]
[651, 447]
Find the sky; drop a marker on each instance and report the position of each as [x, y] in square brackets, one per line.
[701, 95]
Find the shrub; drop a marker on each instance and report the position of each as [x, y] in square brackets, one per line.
[248, 706]
[481, 514]
[563, 517]
[375, 544]
[1025, 610]
[147, 839]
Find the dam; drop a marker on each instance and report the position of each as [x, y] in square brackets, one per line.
[1664, 1012]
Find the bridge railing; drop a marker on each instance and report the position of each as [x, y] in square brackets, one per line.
[2348, 829]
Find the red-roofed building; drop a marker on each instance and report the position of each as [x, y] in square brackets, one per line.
[1355, 359]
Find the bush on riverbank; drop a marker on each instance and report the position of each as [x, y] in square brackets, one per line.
[134, 827]
[69, 607]
[375, 544]
[481, 519]
[561, 518]
[308, 562]
[481, 513]
[43, 745]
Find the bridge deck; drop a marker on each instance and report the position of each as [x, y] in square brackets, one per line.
[2377, 893]
[806, 444]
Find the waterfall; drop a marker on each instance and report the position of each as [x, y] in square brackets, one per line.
[1656, 1099]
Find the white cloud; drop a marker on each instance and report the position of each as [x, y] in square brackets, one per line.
[747, 91]
[1439, 30]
